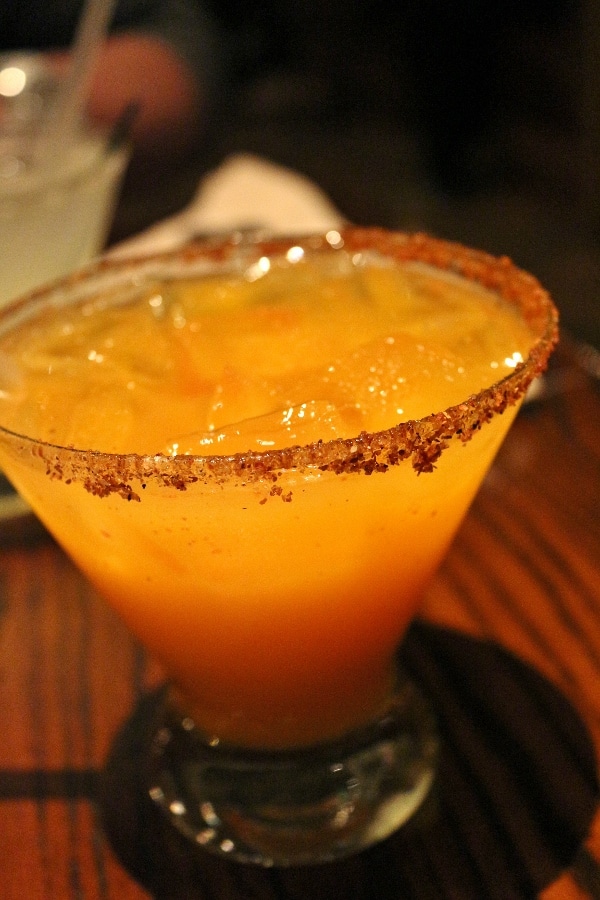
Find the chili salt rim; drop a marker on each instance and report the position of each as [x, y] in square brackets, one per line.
[422, 440]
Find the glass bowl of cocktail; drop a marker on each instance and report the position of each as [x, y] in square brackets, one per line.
[259, 453]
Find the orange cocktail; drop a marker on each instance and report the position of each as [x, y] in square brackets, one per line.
[260, 454]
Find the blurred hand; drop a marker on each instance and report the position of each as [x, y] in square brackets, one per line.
[141, 69]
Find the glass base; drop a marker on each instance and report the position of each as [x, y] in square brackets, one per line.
[296, 807]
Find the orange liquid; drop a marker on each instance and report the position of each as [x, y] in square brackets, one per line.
[276, 613]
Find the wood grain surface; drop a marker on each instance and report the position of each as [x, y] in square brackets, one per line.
[507, 647]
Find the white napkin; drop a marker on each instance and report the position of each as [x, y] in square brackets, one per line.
[244, 192]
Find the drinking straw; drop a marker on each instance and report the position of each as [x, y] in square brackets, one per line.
[67, 109]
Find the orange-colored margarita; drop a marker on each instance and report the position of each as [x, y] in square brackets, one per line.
[273, 583]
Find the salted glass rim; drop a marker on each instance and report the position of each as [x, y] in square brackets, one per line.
[420, 440]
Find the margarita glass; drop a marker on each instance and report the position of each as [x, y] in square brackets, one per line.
[259, 453]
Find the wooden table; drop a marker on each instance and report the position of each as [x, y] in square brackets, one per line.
[507, 647]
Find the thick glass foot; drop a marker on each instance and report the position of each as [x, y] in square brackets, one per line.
[302, 806]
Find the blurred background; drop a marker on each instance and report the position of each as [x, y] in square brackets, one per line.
[475, 121]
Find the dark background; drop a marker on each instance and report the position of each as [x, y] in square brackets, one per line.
[472, 120]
